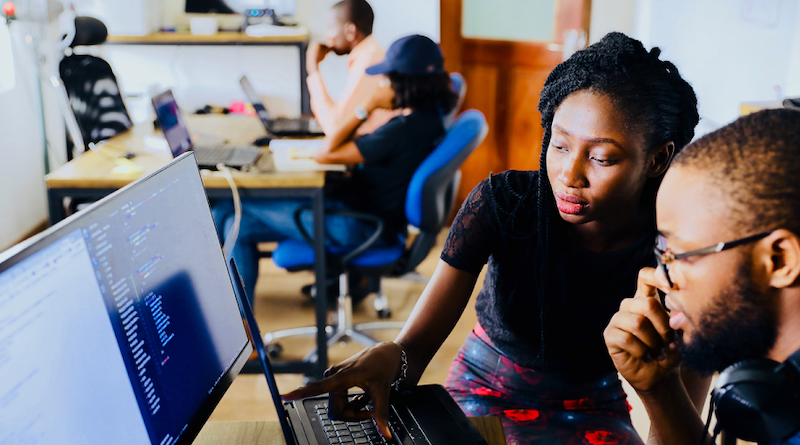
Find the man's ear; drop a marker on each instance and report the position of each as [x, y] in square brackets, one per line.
[781, 258]
[350, 31]
[660, 159]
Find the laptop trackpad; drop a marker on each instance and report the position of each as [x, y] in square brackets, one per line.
[438, 416]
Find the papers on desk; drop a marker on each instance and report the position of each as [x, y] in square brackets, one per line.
[298, 155]
[265, 29]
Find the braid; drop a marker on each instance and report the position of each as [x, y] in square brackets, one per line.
[659, 104]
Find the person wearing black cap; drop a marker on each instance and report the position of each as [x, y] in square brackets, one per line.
[417, 87]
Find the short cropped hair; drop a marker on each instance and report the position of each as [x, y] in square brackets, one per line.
[359, 12]
[756, 161]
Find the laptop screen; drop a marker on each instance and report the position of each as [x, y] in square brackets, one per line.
[120, 325]
[254, 99]
[172, 124]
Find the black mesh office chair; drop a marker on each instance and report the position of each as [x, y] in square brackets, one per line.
[92, 88]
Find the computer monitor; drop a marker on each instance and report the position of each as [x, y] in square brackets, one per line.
[208, 6]
[281, 7]
[120, 324]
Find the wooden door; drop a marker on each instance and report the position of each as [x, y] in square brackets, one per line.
[504, 79]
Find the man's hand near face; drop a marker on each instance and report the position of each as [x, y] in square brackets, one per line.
[638, 337]
[314, 55]
[644, 351]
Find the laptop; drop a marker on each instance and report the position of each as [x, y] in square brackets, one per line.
[425, 415]
[120, 325]
[179, 140]
[303, 126]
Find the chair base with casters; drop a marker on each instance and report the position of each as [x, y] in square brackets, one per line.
[298, 255]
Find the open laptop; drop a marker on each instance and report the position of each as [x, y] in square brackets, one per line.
[179, 140]
[120, 325]
[426, 415]
[304, 126]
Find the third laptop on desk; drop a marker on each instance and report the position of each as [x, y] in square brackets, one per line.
[180, 141]
[303, 126]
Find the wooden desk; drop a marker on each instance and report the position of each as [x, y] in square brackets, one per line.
[228, 38]
[269, 432]
[92, 176]
[95, 170]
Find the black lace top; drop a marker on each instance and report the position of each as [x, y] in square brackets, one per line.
[497, 223]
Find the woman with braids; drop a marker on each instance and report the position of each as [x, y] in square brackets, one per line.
[418, 91]
[564, 246]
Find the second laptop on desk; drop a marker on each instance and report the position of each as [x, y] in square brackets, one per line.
[180, 141]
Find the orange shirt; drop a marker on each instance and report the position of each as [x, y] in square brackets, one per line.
[358, 88]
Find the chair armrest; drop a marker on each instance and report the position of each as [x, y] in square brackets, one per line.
[358, 250]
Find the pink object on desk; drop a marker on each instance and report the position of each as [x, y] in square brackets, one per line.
[237, 106]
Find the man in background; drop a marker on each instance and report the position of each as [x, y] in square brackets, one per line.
[349, 33]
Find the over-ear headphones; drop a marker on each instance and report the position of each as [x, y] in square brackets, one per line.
[758, 400]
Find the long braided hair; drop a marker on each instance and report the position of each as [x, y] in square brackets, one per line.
[652, 95]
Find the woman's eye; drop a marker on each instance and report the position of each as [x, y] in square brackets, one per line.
[603, 161]
[558, 148]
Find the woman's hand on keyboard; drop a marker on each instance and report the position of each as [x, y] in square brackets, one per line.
[374, 370]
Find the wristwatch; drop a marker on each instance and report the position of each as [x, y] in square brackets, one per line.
[362, 113]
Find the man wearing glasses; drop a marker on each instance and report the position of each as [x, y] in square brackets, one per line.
[728, 213]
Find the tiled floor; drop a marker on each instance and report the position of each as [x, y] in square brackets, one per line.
[279, 306]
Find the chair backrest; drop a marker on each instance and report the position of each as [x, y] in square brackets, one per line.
[432, 190]
[94, 97]
[459, 86]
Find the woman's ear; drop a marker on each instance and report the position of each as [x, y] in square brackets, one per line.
[660, 159]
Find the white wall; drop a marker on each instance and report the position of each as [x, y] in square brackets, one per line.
[23, 202]
[611, 15]
[730, 51]
[793, 83]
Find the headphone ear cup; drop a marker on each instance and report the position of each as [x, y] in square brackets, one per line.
[755, 401]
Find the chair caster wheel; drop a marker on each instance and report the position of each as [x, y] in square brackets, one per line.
[308, 379]
[274, 350]
[385, 313]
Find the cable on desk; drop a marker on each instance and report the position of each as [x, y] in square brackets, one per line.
[230, 238]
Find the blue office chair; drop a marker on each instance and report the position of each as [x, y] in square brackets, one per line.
[459, 86]
[429, 202]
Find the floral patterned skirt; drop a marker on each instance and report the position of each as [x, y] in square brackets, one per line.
[536, 408]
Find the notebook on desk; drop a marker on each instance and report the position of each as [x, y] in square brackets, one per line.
[120, 324]
[303, 126]
[180, 141]
[425, 415]
[298, 155]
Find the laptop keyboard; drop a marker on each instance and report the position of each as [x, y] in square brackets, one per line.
[214, 155]
[348, 433]
[288, 125]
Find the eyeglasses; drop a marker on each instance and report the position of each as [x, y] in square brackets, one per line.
[664, 256]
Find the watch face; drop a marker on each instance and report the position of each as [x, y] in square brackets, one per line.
[361, 113]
